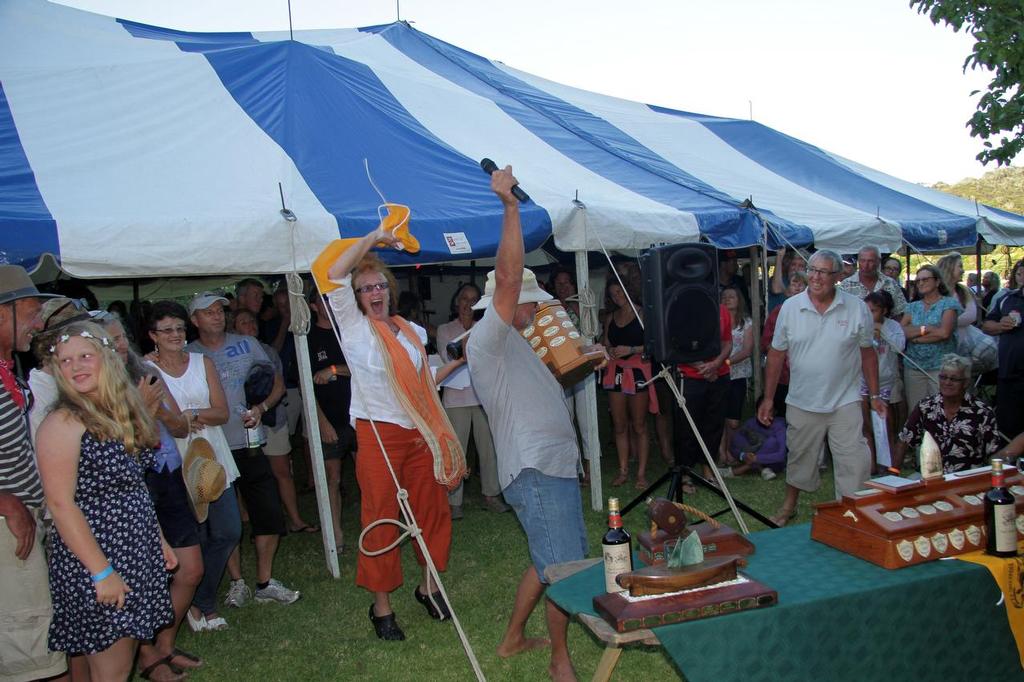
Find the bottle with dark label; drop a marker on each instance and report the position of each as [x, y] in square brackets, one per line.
[1000, 515]
[617, 548]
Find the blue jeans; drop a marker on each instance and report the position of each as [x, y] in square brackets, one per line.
[551, 513]
[217, 538]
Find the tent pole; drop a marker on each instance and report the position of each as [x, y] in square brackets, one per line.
[586, 404]
[316, 451]
[977, 259]
[755, 313]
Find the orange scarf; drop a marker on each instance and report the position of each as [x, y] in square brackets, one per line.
[417, 394]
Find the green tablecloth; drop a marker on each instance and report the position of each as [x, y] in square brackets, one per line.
[838, 618]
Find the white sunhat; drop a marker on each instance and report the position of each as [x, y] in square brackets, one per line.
[530, 293]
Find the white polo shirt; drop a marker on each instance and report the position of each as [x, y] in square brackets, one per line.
[824, 350]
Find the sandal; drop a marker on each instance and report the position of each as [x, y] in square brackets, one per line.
[641, 484]
[147, 672]
[688, 487]
[305, 528]
[782, 517]
[191, 660]
[443, 614]
[386, 627]
[621, 478]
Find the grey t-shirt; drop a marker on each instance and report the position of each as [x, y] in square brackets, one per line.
[233, 361]
[525, 405]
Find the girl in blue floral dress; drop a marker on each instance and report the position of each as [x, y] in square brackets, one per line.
[108, 569]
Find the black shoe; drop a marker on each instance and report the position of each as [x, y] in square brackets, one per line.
[443, 614]
[386, 627]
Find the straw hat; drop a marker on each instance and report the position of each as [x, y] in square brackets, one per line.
[530, 292]
[205, 479]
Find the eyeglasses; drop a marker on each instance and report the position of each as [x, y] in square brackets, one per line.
[820, 272]
[180, 329]
[367, 288]
[923, 279]
[952, 380]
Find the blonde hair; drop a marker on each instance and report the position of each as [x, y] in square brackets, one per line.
[116, 412]
[945, 267]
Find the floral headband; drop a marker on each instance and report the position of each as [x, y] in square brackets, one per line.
[85, 333]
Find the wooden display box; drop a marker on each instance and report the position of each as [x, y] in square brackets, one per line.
[940, 518]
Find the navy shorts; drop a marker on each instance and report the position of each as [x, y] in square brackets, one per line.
[551, 512]
[170, 499]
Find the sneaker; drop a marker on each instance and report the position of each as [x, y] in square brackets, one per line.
[238, 594]
[767, 474]
[275, 591]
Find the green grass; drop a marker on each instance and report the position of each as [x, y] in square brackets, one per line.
[326, 635]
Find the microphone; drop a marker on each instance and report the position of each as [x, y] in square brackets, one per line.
[517, 191]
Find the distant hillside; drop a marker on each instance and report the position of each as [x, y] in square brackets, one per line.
[1003, 188]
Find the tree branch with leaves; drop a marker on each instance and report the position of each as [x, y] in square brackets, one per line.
[998, 30]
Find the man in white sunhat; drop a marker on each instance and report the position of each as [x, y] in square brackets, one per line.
[234, 355]
[533, 433]
[25, 606]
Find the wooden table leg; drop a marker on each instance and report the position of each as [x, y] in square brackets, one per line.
[609, 659]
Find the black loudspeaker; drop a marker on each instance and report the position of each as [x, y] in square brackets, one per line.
[681, 318]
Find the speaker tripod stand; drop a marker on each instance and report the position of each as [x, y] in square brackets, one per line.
[676, 474]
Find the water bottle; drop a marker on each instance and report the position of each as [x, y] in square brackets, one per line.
[252, 433]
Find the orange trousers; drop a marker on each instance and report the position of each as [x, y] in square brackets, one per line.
[414, 466]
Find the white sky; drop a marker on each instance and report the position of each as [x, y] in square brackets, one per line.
[870, 80]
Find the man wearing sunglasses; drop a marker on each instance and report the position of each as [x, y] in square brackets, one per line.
[25, 608]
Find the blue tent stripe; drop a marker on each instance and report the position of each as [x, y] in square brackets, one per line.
[295, 93]
[811, 168]
[590, 141]
[26, 224]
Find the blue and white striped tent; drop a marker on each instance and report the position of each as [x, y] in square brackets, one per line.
[130, 150]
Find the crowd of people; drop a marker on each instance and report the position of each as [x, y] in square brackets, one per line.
[133, 451]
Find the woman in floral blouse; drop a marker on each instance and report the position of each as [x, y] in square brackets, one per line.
[963, 426]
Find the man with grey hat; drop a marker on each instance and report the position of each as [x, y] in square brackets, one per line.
[25, 607]
[234, 356]
[536, 465]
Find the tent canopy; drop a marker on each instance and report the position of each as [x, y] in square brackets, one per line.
[133, 150]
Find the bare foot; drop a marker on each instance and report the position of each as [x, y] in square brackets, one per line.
[506, 649]
[562, 672]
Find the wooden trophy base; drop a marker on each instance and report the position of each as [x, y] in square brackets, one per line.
[579, 369]
[626, 614]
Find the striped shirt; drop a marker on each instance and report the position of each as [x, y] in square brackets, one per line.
[18, 473]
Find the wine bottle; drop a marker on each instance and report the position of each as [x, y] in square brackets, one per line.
[1000, 515]
[617, 548]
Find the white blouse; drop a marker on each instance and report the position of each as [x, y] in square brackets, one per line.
[371, 390]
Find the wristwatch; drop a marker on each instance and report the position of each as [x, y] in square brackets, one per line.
[876, 396]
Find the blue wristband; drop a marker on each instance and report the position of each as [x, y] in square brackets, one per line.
[103, 574]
